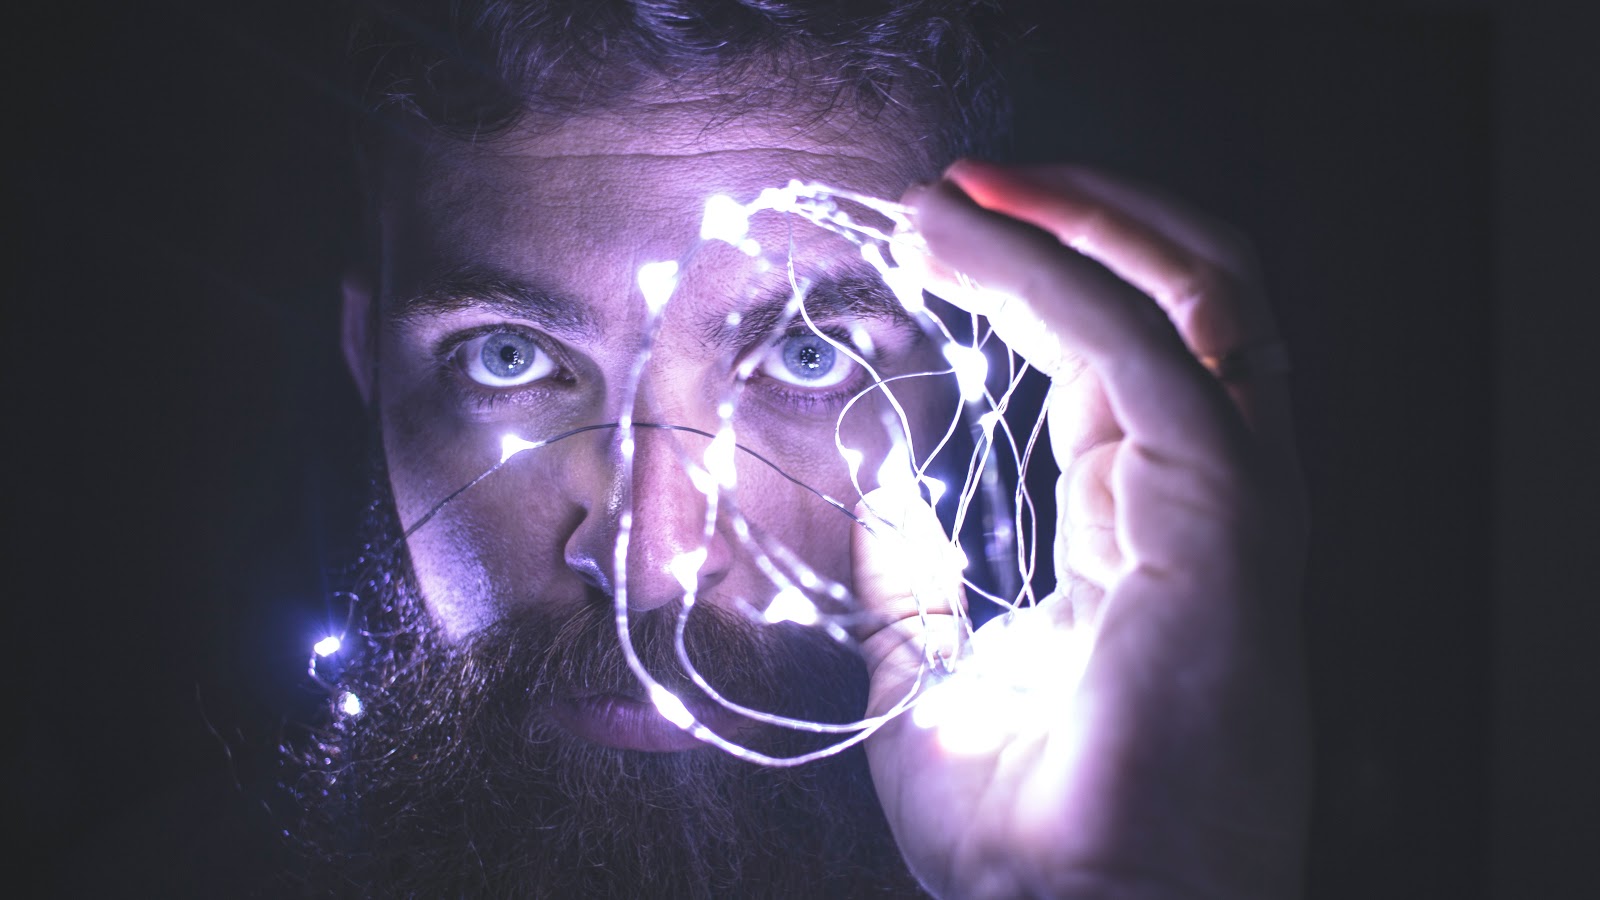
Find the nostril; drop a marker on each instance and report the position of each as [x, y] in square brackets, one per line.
[591, 574]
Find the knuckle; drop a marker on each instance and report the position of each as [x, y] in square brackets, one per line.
[1196, 283]
[1092, 219]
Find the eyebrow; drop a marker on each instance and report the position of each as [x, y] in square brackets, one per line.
[839, 295]
[506, 294]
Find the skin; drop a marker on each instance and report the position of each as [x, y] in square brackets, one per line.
[1175, 762]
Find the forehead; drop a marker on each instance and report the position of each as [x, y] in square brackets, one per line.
[625, 188]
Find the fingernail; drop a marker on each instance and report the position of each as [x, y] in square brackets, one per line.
[966, 165]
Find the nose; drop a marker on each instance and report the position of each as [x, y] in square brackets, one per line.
[666, 520]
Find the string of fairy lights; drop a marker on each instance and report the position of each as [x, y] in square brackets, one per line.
[973, 698]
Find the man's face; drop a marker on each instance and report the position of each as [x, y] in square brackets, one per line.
[508, 304]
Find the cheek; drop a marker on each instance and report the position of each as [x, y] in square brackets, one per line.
[428, 448]
[497, 547]
[455, 580]
[429, 454]
[499, 544]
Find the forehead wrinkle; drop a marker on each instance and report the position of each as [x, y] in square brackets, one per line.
[680, 131]
[623, 189]
[823, 154]
[597, 162]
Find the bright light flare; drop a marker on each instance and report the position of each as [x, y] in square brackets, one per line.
[328, 646]
[511, 445]
[791, 606]
[1019, 672]
[725, 219]
[657, 281]
[972, 370]
[670, 707]
[719, 459]
[896, 471]
[350, 704]
[686, 568]
[971, 716]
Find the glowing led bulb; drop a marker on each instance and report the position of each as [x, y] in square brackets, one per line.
[657, 281]
[719, 459]
[328, 646]
[686, 567]
[670, 707]
[791, 606]
[1019, 672]
[972, 369]
[896, 469]
[725, 219]
[349, 704]
[703, 481]
[511, 445]
[784, 198]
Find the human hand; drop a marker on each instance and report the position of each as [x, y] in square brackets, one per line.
[1174, 762]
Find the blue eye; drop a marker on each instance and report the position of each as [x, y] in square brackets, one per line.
[504, 359]
[807, 360]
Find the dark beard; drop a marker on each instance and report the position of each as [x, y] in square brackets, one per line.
[453, 781]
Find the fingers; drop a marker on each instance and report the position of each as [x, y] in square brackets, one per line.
[1203, 273]
[1080, 416]
[1163, 399]
[1016, 323]
[1088, 547]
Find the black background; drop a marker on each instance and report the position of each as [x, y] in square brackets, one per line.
[185, 450]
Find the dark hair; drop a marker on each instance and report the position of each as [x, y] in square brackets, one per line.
[474, 68]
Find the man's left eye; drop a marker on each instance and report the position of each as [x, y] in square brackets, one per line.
[806, 360]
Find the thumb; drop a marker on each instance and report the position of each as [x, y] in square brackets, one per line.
[907, 576]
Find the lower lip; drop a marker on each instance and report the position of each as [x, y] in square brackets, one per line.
[625, 723]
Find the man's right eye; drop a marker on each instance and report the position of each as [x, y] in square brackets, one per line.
[504, 359]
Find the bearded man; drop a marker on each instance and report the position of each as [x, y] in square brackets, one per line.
[524, 160]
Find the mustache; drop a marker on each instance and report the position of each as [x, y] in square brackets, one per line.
[532, 658]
